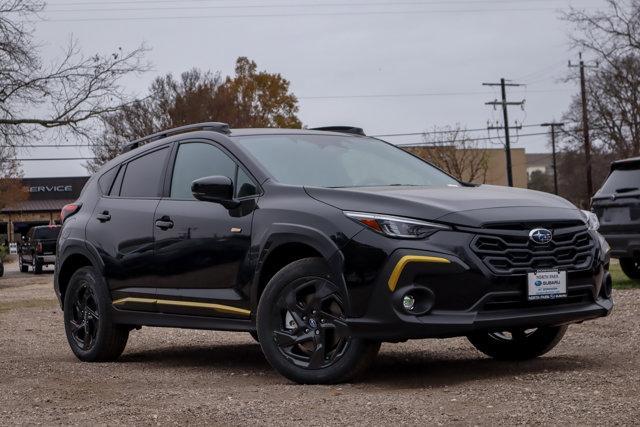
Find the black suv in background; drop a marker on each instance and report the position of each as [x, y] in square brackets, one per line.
[617, 205]
[38, 248]
[322, 244]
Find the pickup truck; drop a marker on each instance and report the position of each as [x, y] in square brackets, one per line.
[38, 248]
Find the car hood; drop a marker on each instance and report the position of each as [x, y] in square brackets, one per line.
[466, 206]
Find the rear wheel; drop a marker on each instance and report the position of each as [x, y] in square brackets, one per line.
[23, 267]
[630, 267]
[90, 331]
[518, 344]
[302, 328]
[37, 266]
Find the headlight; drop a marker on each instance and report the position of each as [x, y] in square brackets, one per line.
[591, 220]
[395, 226]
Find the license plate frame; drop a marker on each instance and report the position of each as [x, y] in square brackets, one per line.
[549, 284]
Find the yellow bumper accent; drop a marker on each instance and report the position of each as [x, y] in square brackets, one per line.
[217, 307]
[397, 270]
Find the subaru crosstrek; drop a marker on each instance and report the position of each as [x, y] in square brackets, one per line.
[321, 244]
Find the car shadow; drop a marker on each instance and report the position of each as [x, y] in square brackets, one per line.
[391, 370]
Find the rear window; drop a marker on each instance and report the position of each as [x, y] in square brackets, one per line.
[622, 181]
[46, 233]
[142, 176]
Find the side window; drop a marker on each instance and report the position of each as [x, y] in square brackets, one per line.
[245, 186]
[143, 175]
[196, 160]
[117, 183]
[106, 180]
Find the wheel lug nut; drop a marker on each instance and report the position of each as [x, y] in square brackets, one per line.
[321, 320]
[306, 330]
[317, 332]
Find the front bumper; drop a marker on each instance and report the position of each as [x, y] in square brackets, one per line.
[464, 296]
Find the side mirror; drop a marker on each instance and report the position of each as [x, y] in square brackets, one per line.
[215, 189]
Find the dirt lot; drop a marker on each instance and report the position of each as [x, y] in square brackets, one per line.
[169, 376]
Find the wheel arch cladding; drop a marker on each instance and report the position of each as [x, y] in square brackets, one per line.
[70, 265]
[290, 242]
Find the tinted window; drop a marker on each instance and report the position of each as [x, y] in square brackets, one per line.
[196, 160]
[106, 180]
[115, 188]
[143, 175]
[245, 186]
[340, 161]
[46, 233]
[622, 181]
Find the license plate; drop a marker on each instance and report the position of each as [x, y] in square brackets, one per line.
[616, 215]
[547, 284]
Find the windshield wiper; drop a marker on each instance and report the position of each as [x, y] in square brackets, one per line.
[625, 189]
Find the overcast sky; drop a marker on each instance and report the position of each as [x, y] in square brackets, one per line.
[388, 67]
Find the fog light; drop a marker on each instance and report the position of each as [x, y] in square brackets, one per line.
[408, 302]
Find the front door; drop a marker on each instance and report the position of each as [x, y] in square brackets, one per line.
[202, 247]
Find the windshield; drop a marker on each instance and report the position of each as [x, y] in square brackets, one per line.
[48, 233]
[339, 161]
[622, 181]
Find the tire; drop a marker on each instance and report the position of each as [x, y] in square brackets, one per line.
[521, 344]
[90, 331]
[24, 268]
[1, 269]
[37, 266]
[630, 267]
[307, 346]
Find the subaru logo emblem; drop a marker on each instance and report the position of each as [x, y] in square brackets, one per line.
[540, 236]
[312, 323]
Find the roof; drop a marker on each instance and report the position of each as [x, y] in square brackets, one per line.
[38, 205]
[621, 164]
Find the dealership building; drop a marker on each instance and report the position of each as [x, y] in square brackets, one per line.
[45, 199]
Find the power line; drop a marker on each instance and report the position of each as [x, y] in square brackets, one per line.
[424, 94]
[262, 6]
[293, 15]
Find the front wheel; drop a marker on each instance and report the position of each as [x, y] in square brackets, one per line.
[630, 267]
[302, 328]
[91, 334]
[518, 344]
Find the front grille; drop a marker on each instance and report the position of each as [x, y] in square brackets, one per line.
[512, 252]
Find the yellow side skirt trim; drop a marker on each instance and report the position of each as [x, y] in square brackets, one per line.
[217, 307]
[397, 270]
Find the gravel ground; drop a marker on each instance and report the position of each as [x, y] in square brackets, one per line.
[171, 376]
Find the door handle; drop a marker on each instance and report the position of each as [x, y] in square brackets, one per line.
[164, 223]
[104, 216]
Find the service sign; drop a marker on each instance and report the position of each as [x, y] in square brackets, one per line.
[547, 284]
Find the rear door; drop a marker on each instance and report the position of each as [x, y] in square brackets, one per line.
[121, 228]
[201, 255]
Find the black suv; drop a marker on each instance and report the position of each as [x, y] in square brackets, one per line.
[617, 205]
[322, 244]
[38, 248]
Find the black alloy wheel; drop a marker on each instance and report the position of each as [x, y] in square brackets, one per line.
[85, 317]
[302, 327]
[308, 324]
[518, 343]
[88, 323]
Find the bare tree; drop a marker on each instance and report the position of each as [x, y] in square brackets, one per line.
[68, 95]
[451, 149]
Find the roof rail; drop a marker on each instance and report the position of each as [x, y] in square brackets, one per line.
[213, 126]
[342, 129]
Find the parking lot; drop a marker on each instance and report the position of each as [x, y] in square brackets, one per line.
[170, 376]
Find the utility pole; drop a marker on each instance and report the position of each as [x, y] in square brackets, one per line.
[553, 126]
[505, 114]
[585, 121]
